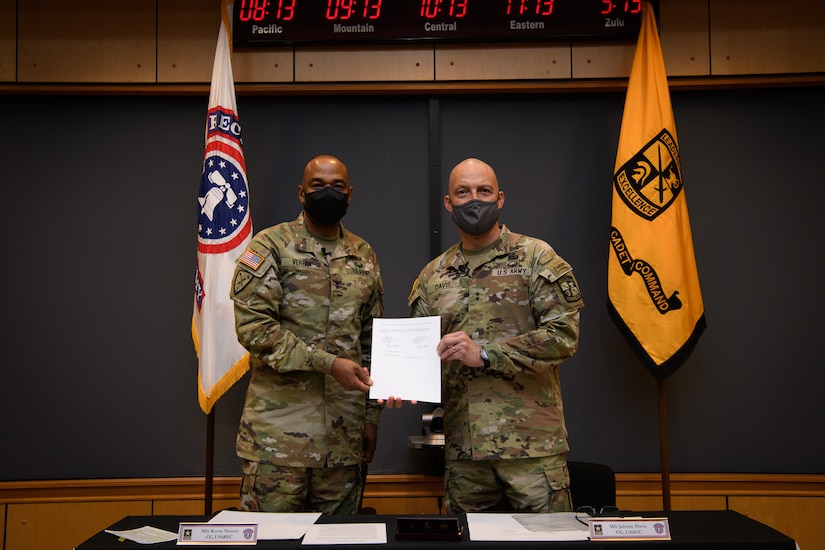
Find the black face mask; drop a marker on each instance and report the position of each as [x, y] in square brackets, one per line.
[326, 206]
[475, 217]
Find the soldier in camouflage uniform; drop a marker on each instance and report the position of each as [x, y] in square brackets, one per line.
[509, 308]
[305, 295]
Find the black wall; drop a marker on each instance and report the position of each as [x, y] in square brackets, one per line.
[98, 375]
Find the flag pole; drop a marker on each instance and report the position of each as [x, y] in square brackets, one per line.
[210, 455]
[663, 446]
[224, 230]
[653, 288]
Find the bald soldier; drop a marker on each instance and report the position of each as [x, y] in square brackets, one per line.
[509, 308]
[305, 294]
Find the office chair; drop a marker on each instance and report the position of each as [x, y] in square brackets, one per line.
[591, 484]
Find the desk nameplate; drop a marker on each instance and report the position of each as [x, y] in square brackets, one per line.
[629, 529]
[218, 533]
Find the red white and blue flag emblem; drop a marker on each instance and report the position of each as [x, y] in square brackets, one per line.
[223, 200]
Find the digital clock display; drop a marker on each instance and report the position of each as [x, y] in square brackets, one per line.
[266, 22]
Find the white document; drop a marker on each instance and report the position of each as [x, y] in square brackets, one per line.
[346, 533]
[524, 527]
[145, 535]
[271, 525]
[405, 362]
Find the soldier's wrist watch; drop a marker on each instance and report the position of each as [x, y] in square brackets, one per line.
[484, 357]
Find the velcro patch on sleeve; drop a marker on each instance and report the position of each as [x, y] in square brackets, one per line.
[251, 259]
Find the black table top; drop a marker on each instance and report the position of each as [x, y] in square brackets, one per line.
[690, 530]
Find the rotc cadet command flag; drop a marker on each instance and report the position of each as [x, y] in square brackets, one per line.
[224, 230]
[653, 284]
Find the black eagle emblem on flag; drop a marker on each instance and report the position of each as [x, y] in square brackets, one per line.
[652, 179]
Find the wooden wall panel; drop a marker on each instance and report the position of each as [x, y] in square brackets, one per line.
[641, 503]
[190, 507]
[405, 494]
[698, 502]
[8, 40]
[64, 525]
[2, 523]
[603, 59]
[638, 503]
[187, 35]
[502, 62]
[86, 41]
[765, 36]
[684, 33]
[404, 506]
[364, 63]
[99, 41]
[801, 518]
[792, 504]
[263, 65]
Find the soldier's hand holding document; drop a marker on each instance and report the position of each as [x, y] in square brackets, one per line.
[405, 362]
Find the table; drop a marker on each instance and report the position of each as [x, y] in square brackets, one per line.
[690, 530]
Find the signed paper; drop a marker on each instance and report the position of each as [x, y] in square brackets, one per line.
[271, 526]
[524, 527]
[405, 362]
[346, 533]
[145, 535]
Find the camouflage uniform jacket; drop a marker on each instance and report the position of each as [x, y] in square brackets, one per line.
[296, 310]
[522, 303]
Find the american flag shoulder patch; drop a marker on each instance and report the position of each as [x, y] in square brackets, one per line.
[251, 259]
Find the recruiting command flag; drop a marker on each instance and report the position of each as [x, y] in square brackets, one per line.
[224, 230]
[653, 284]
